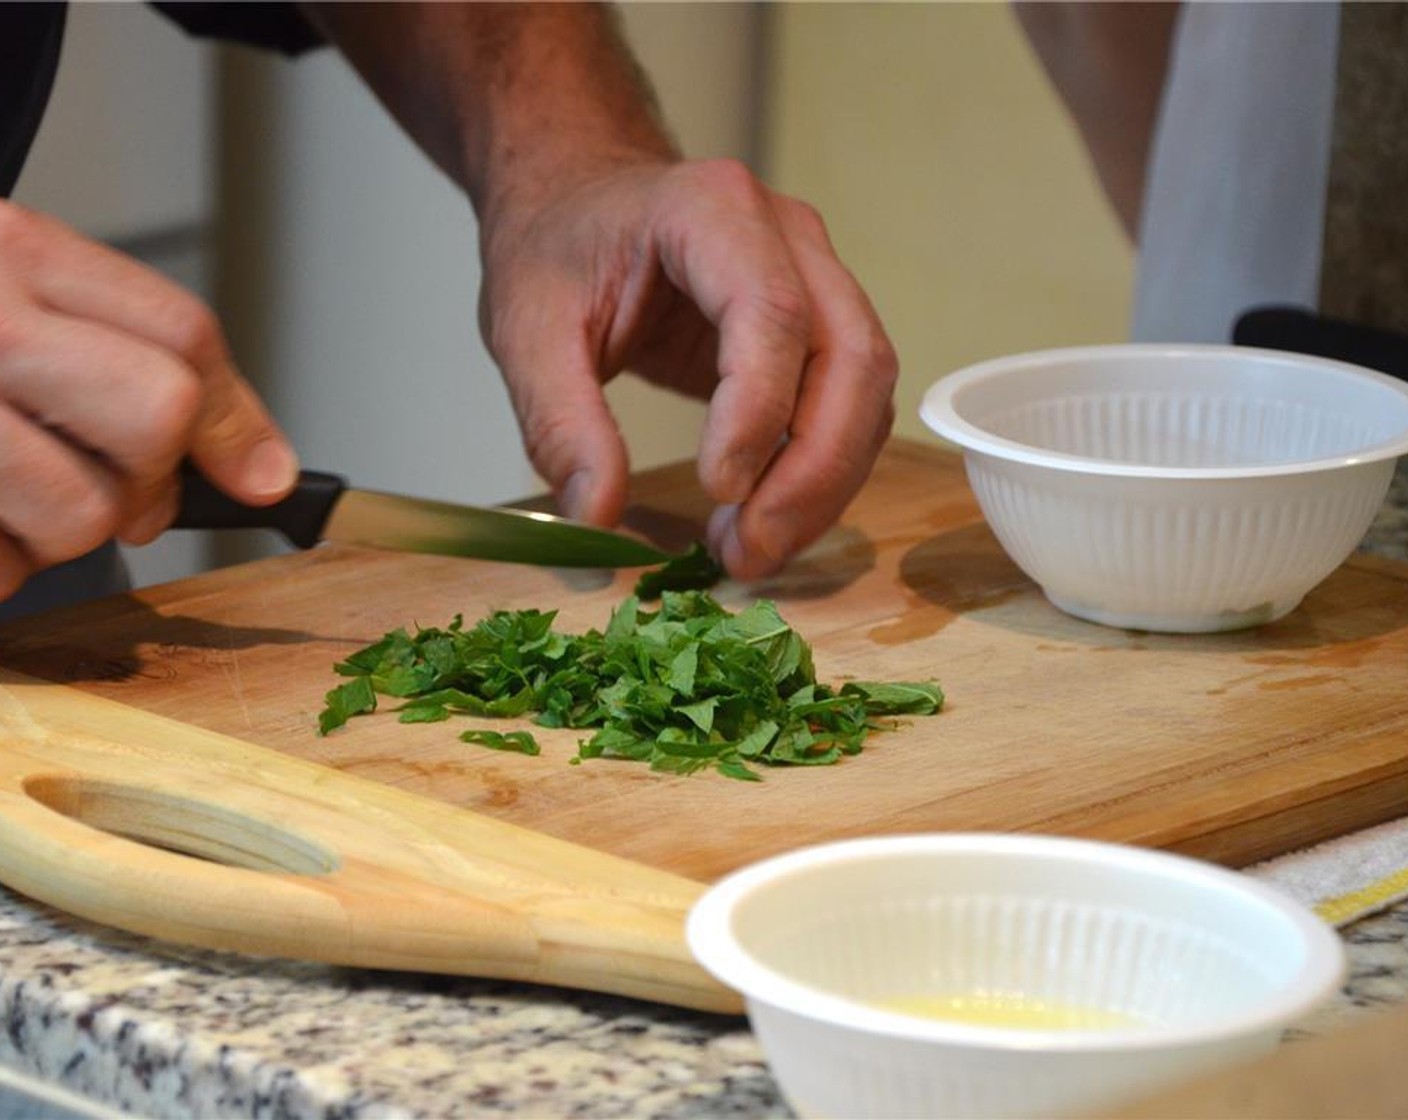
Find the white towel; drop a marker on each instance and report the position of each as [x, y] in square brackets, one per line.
[1346, 878]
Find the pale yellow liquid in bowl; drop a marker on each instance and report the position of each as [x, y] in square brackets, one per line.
[1008, 1012]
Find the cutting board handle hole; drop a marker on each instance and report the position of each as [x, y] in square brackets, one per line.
[183, 825]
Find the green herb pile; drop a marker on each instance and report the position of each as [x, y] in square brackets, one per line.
[683, 688]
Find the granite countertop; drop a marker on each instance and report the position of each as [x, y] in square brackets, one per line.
[161, 1030]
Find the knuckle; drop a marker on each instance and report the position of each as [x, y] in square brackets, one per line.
[786, 300]
[83, 518]
[772, 413]
[501, 325]
[782, 304]
[93, 518]
[866, 349]
[808, 219]
[882, 360]
[148, 512]
[730, 179]
[882, 429]
[171, 403]
[192, 328]
[20, 233]
[544, 439]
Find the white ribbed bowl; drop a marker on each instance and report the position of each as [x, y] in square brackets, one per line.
[1210, 964]
[1176, 488]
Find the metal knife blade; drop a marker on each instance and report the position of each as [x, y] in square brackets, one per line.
[323, 507]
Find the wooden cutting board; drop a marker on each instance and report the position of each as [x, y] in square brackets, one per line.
[102, 806]
[1233, 747]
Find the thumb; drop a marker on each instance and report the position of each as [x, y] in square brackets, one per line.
[236, 444]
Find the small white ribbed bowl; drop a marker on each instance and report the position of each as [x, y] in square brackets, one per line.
[1210, 964]
[1174, 488]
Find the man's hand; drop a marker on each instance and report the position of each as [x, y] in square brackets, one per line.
[110, 375]
[603, 251]
[697, 277]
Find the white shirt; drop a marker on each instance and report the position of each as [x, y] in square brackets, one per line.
[1234, 203]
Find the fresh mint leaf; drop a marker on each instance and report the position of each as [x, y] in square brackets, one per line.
[919, 698]
[682, 687]
[520, 741]
[733, 768]
[682, 670]
[344, 702]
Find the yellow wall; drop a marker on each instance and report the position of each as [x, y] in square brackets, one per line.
[952, 182]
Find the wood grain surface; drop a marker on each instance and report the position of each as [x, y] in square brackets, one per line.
[1233, 747]
[102, 805]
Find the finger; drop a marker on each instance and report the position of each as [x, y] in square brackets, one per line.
[236, 443]
[720, 242]
[233, 439]
[843, 416]
[67, 272]
[149, 512]
[111, 394]
[569, 433]
[57, 503]
[15, 567]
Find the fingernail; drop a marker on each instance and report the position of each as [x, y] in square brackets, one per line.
[722, 534]
[270, 467]
[721, 523]
[576, 494]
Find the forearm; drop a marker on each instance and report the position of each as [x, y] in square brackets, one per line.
[1108, 62]
[603, 251]
[506, 98]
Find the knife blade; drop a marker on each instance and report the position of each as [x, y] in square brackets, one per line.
[322, 507]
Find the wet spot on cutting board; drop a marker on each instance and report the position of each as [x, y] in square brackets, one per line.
[500, 793]
[1337, 655]
[919, 620]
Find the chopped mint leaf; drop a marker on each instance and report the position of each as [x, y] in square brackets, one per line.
[685, 687]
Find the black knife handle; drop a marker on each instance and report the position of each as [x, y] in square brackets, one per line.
[300, 517]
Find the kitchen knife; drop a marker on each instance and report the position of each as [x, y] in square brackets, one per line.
[322, 507]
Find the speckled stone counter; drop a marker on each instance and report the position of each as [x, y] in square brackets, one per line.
[158, 1030]
[163, 1031]
[166, 1031]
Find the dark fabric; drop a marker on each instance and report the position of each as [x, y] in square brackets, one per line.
[30, 35]
[30, 38]
[279, 27]
[101, 572]
[1305, 332]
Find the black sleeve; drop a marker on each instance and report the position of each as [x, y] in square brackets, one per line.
[280, 27]
[30, 35]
